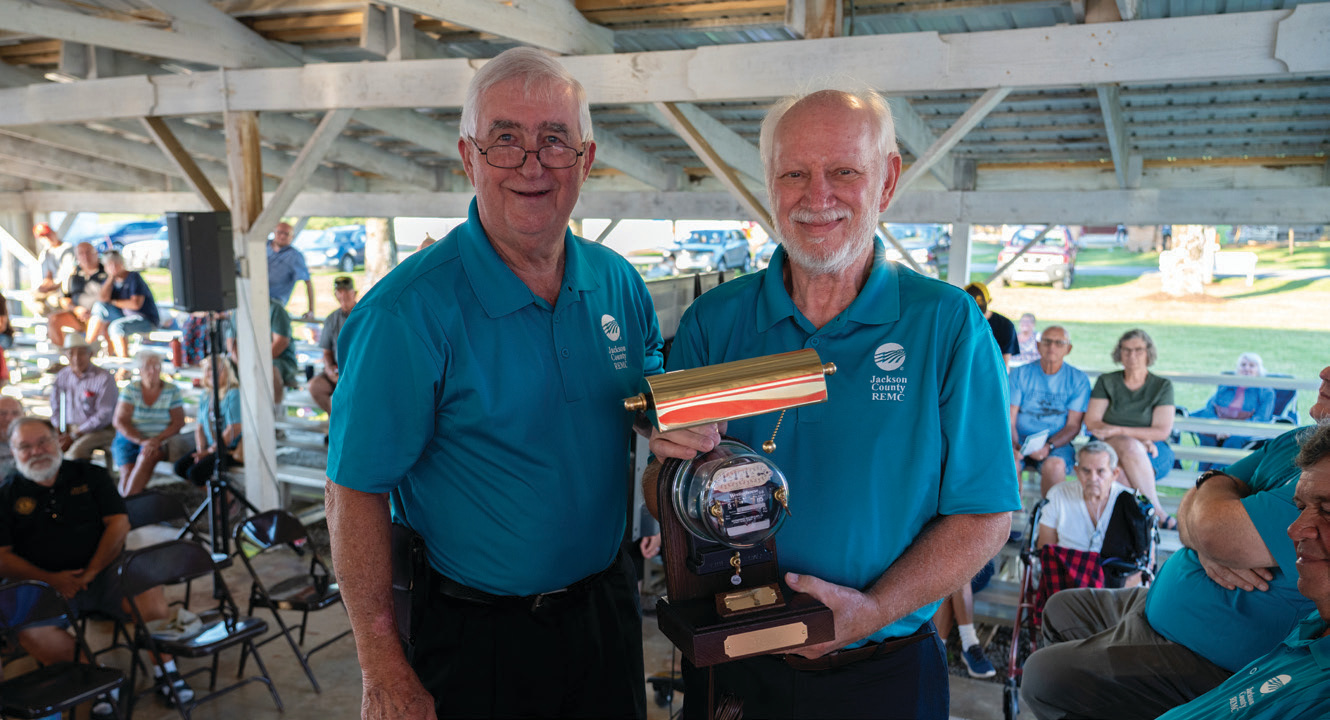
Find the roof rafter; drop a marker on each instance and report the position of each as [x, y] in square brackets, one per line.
[938, 150]
[551, 24]
[1115, 125]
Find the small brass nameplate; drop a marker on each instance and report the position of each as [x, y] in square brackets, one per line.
[766, 640]
[750, 599]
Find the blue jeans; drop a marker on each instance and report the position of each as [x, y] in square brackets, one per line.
[123, 451]
[120, 325]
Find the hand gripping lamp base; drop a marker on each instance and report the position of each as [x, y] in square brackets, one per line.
[720, 512]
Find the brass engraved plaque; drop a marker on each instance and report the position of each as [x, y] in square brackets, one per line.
[766, 640]
[750, 599]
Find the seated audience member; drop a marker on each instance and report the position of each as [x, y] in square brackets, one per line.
[54, 263]
[1223, 600]
[1027, 340]
[150, 412]
[1077, 516]
[1003, 330]
[10, 410]
[1235, 402]
[62, 523]
[124, 307]
[81, 291]
[198, 466]
[322, 386]
[82, 401]
[284, 367]
[1050, 397]
[194, 338]
[1290, 681]
[1132, 410]
[958, 609]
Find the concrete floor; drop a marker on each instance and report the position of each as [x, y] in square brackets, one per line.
[339, 673]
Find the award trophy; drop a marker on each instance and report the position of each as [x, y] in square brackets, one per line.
[720, 511]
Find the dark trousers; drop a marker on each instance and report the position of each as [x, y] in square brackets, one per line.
[576, 657]
[908, 683]
[200, 472]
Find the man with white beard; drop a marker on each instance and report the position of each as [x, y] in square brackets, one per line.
[902, 482]
[62, 522]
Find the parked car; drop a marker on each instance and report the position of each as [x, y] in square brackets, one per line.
[653, 262]
[341, 247]
[713, 250]
[151, 253]
[923, 241]
[1051, 261]
[764, 253]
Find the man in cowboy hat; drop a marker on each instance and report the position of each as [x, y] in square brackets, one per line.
[83, 400]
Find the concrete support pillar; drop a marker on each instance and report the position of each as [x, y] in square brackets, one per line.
[958, 259]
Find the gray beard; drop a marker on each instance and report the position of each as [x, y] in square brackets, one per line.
[838, 261]
[39, 476]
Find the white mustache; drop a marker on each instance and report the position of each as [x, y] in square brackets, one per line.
[818, 218]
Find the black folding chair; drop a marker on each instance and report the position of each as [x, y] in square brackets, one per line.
[56, 688]
[154, 508]
[304, 593]
[173, 563]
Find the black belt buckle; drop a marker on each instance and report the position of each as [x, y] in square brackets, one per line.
[544, 599]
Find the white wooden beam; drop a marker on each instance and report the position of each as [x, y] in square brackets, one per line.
[724, 173]
[223, 31]
[1129, 9]
[729, 146]
[1264, 206]
[12, 148]
[1186, 49]
[414, 127]
[37, 172]
[600, 239]
[166, 141]
[913, 132]
[309, 158]
[1115, 125]
[812, 19]
[289, 130]
[551, 24]
[948, 140]
[611, 150]
[189, 43]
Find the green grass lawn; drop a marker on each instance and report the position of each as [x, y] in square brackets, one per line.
[1202, 350]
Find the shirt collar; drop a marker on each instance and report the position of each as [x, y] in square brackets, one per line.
[878, 301]
[1308, 633]
[499, 289]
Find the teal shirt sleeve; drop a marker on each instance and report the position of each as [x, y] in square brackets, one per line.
[978, 475]
[384, 410]
[1272, 512]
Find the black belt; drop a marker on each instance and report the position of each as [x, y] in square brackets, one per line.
[450, 588]
[841, 658]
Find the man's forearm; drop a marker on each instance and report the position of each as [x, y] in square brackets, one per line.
[1213, 521]
[309, 295]
[361, 532]
[109, 547]
[1064, 436]
[13, 567]
[945, 556]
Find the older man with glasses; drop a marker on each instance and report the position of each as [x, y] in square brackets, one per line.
[481, 384]
[1048, 400]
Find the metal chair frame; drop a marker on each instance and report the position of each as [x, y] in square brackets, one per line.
[176, 562]
[28, 603]
[314, 591]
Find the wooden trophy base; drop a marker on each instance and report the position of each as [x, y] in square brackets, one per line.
[706, 639]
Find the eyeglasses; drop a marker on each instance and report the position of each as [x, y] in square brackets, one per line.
[1132, 350]
[1054, 343]
[507, 157]
[45, 442]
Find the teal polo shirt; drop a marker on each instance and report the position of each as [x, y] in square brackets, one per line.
[497, 416]
[1288, 683]
[1184, 603]
[915, 425]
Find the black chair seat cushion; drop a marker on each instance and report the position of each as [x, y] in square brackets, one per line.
[213, 637]
[302, 592]
[37, 694]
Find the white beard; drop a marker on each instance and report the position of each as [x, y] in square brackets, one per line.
[859, 234]
[39, 475]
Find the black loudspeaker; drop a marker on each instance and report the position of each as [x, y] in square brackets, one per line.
[203, 261]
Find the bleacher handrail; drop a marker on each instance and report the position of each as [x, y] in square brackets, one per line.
[1278, 383]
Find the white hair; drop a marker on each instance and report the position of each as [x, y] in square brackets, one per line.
[142, 357]
[1098, 446]
[542, 74]
[876, 104]
[1254, 359]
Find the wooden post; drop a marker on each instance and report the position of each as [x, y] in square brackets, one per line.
[253, 331]
[380, 250]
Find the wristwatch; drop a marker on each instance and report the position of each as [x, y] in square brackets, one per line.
[1207, 475]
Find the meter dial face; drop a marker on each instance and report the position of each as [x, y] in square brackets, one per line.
[731, 495]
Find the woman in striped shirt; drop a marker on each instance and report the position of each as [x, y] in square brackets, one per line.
[149, 413]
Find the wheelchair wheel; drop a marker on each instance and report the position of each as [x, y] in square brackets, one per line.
[1010, 700]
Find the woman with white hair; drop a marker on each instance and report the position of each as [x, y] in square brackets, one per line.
[197, 467]
[149, 413]
[1235, 402]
